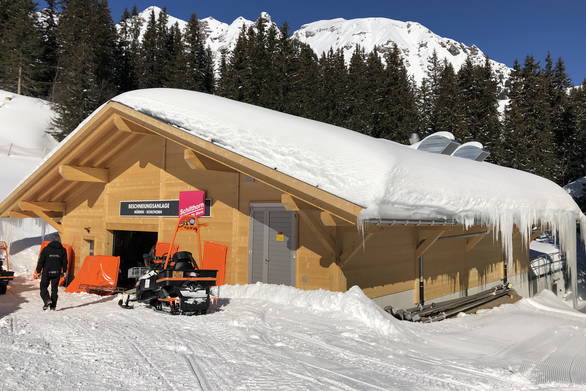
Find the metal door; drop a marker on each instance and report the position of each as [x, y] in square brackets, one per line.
[272, 245]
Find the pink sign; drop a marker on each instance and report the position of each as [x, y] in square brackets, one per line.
[192, 203]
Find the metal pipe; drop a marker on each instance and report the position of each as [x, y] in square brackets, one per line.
[464, 235]
[421, 282]
[384, 221]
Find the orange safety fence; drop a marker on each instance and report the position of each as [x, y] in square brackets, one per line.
[70, 263]
[97, 271]
[214, 258]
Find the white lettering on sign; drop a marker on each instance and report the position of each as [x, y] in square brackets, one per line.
[152, 205]
[193, 209]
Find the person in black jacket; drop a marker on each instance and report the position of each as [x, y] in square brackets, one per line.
[53, 265]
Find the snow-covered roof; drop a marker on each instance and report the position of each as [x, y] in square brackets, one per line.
[388, 179]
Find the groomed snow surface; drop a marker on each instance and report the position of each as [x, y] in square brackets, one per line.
[266, 337]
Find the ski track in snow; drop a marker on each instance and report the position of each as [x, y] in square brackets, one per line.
[253, 344]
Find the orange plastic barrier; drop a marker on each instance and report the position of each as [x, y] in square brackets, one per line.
[70, 262]
[97, 271]
[214, 258]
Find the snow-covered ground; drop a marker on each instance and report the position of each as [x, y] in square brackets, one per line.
[267, 337]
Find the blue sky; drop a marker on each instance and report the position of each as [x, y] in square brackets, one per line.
[504, 30]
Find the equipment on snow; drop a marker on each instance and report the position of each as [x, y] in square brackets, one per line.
[442, 310]
[180, 288]
[176, 285]
[5, 275]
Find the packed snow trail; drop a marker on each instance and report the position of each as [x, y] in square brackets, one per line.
[262, 344]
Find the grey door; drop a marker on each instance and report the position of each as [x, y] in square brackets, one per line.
[272, 245]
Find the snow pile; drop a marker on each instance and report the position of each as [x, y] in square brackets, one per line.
[24, 141]
[24, 237]
[353, 303]
[24, 122]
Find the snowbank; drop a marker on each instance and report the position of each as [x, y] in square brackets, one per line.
[24, 123]
[352, 302]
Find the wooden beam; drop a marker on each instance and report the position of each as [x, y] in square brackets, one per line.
[84, 174]
[44, 206]
[348, 255]
[313, 222]
[19, 214]
[193, 160]
[42, 215]
[327, 219]
[472, 242]
[291, 203]
[129, 127]
[428, 242]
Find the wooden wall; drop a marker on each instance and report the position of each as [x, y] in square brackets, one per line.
[155, 169]
[388, 263]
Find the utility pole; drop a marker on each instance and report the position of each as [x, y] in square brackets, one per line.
[19, 79]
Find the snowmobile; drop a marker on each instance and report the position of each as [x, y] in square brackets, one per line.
[177, 285]
[5, 275]
[180, 288]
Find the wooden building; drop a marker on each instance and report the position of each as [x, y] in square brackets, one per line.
[278, 228]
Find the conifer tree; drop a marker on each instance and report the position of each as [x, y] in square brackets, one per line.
[374, 100]
[304, 80]
[176, 69]
[199, 61]
[400, 118]
[21, 48]
[85, 71]
[478, 107]
[155, 51]
[234, 77]
[426, 95]
[333, 92]
[283, 68]
[528, 141]
[562, 125]
[576, 153]
[128, 51]
[445, 115]
[48, 59]
[357, 117]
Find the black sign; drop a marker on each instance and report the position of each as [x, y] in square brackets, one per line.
[157, 208]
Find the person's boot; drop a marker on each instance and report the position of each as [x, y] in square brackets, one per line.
[52, 307]
[47, 305]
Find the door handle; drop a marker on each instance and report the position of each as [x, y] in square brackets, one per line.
[267, 260]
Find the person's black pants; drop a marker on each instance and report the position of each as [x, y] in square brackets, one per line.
[45, 281]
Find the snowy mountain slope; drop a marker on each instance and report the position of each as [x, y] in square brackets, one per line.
[219, 36]
[416, 42]
[24, 122]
